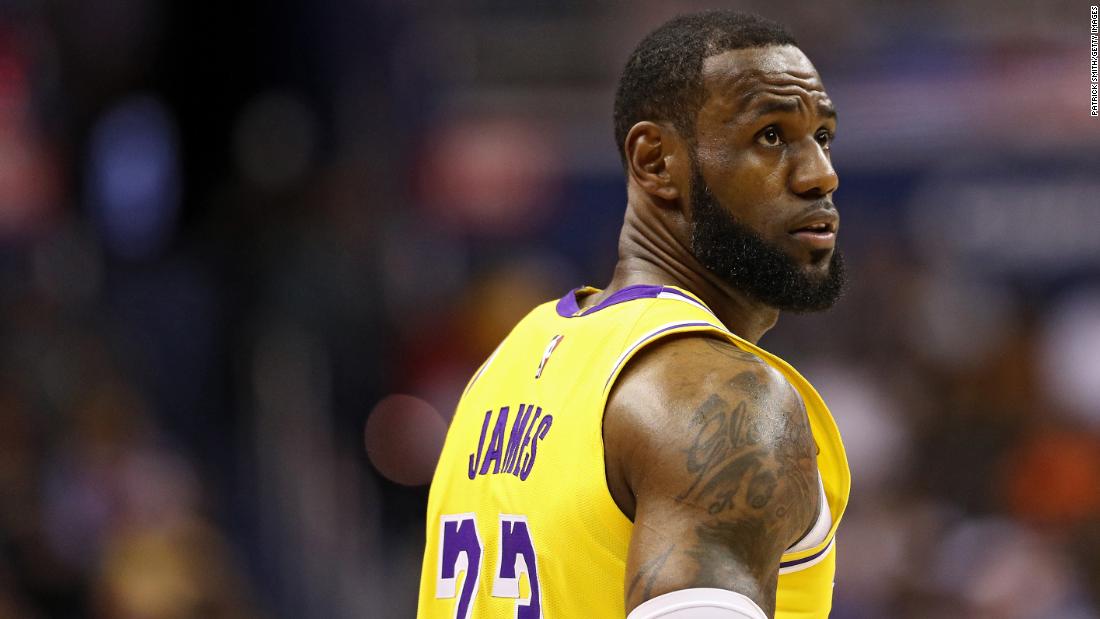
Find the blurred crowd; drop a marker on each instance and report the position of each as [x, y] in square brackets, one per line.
[250, 254]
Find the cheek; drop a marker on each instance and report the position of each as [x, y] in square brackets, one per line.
[751, 187]
[767, 170]
[752, 168]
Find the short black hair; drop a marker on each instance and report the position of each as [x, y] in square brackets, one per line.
[662, 80]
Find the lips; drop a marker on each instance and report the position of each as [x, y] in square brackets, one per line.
[818, 222]
[817, 229]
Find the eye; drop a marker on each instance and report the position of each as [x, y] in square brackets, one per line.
[769, 137]
[824, 138]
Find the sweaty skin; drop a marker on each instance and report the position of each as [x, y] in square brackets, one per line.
[708, 449]
[716, 447]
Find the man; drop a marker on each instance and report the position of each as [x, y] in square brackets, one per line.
[632, 449]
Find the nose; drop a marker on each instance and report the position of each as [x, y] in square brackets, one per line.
[813, 175]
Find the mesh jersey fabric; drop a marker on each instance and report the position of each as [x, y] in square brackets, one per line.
[520, 522]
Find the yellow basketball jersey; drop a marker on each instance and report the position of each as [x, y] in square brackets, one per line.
[520, 521]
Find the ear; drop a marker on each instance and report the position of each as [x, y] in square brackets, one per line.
[652, 156]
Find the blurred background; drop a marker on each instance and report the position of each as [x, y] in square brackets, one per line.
[250, 252]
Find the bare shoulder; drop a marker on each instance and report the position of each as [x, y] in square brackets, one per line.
[710, 451]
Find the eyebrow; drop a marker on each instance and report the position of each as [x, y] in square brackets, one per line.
[770, 106]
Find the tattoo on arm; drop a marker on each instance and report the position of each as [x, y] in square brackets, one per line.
[648, 571]
[729, 452]
[738, 457]
[727, 478]
[716, 538]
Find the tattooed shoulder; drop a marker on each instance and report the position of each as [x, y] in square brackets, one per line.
[726, 348]
[743, 442]
[726, 472]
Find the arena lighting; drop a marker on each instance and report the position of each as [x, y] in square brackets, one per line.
[134, 184]
[404, 435]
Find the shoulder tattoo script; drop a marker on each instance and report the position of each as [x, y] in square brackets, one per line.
[754, 474]
[747, 452]
[734, 449]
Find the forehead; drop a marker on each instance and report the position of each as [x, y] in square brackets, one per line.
[735, 80]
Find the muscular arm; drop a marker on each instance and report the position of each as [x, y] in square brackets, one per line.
[709, 450]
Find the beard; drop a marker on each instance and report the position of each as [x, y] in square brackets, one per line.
[744, 260]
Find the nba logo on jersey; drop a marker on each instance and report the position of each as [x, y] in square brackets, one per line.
[507, 540]
[554, 341]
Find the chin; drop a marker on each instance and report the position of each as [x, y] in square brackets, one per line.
[820, 258]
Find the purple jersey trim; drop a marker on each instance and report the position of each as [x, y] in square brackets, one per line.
[649, 338]
[794, 562]
[568, 308]
[481, 370]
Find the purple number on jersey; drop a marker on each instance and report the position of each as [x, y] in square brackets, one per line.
[517, 555]
[460, 550]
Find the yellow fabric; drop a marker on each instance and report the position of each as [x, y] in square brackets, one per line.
[555, 478]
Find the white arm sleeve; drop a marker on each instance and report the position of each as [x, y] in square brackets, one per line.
[698, 604]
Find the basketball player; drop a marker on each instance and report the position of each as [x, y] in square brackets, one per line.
[632, 449]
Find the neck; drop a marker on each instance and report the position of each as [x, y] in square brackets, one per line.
[651, 253]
